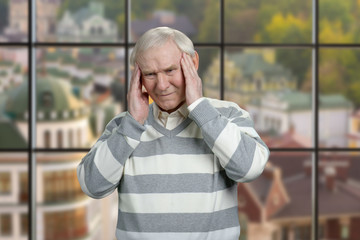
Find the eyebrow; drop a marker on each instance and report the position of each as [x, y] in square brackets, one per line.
[173, 66]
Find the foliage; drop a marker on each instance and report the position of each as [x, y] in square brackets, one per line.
[259, 21]
[3, 14]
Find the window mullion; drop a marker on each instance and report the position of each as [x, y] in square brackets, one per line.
[315, 114]
[222, 49]
[32, 120]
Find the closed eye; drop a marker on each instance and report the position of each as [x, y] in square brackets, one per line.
[170, 70]
[149, 75]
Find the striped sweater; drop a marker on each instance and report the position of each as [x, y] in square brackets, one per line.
[179, 183]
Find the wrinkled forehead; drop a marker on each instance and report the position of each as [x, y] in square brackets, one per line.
[166, 54]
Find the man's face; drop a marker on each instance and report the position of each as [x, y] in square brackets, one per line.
[162, 76]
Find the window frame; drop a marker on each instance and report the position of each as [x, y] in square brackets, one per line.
[32, 149]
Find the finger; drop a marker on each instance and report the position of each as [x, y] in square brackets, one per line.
[191, 65]
[185, 66]
[191, 72]
[135, 78]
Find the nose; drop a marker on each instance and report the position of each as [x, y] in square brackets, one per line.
[162, 82]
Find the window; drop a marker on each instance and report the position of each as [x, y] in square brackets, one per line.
[24, 225]
[284, 61]
[5, 183]
[60, 138]
[24, 187]
[65, 225]
[61, 186]
[285, 233]
[302, 232]
[5, 224]
[47, 99]
[47, 139]
[71, 138]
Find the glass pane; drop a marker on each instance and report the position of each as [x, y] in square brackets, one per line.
[65, 211]
[79, 90]
[339, 192]
[199, 20]
[338, 21]
[274, 86]
[80, 21]
[13, 20]
[13, 98]
[14, 195]
[339, 121]
[261, 21]
[209, 71]
[280, 197]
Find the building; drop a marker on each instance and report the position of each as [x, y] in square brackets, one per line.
[248, 75]
[291, 111]
[162, 18]
[46, 11]
[277, 205]
[88, 24]
[17, 29]
[354, 130]
[18, 20]
[63, 211]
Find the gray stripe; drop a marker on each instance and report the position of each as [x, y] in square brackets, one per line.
[212, 130]
[130, 127]
[178, 222]
[117, 120]
[242, 158]
[175, 183]
[229, 112]
[104, 136]
[109, 128]
[203, 113]
[174, 145]
[222, 234]
[243, 122]
[119, 147]
[95, 182]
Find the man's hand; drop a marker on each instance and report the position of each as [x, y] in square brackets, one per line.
[138, 101]
[193, 90]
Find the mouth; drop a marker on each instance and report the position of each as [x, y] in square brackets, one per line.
[165, 95]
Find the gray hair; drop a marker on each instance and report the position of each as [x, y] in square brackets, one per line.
[157, 37]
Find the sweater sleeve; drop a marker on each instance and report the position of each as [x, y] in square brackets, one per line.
[100, 171]
[228, 130]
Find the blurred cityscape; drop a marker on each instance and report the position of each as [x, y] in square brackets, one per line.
[80, 89]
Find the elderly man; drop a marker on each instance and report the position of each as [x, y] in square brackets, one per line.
[176, 162]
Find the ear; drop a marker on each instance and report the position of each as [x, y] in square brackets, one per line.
[195, 59]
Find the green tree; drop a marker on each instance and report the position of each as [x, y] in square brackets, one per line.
[353, 92]
[4, 14]
[334, 10]
[289, 29]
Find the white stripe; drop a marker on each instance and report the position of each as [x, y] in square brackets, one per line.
[223, 234]
[178, 202]
[224, 146]
[192, 131]
[221, 104]
[258, 164]
[150, 134]
[108, 166]
[132, 142]
[172, 164]
[249, 131]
